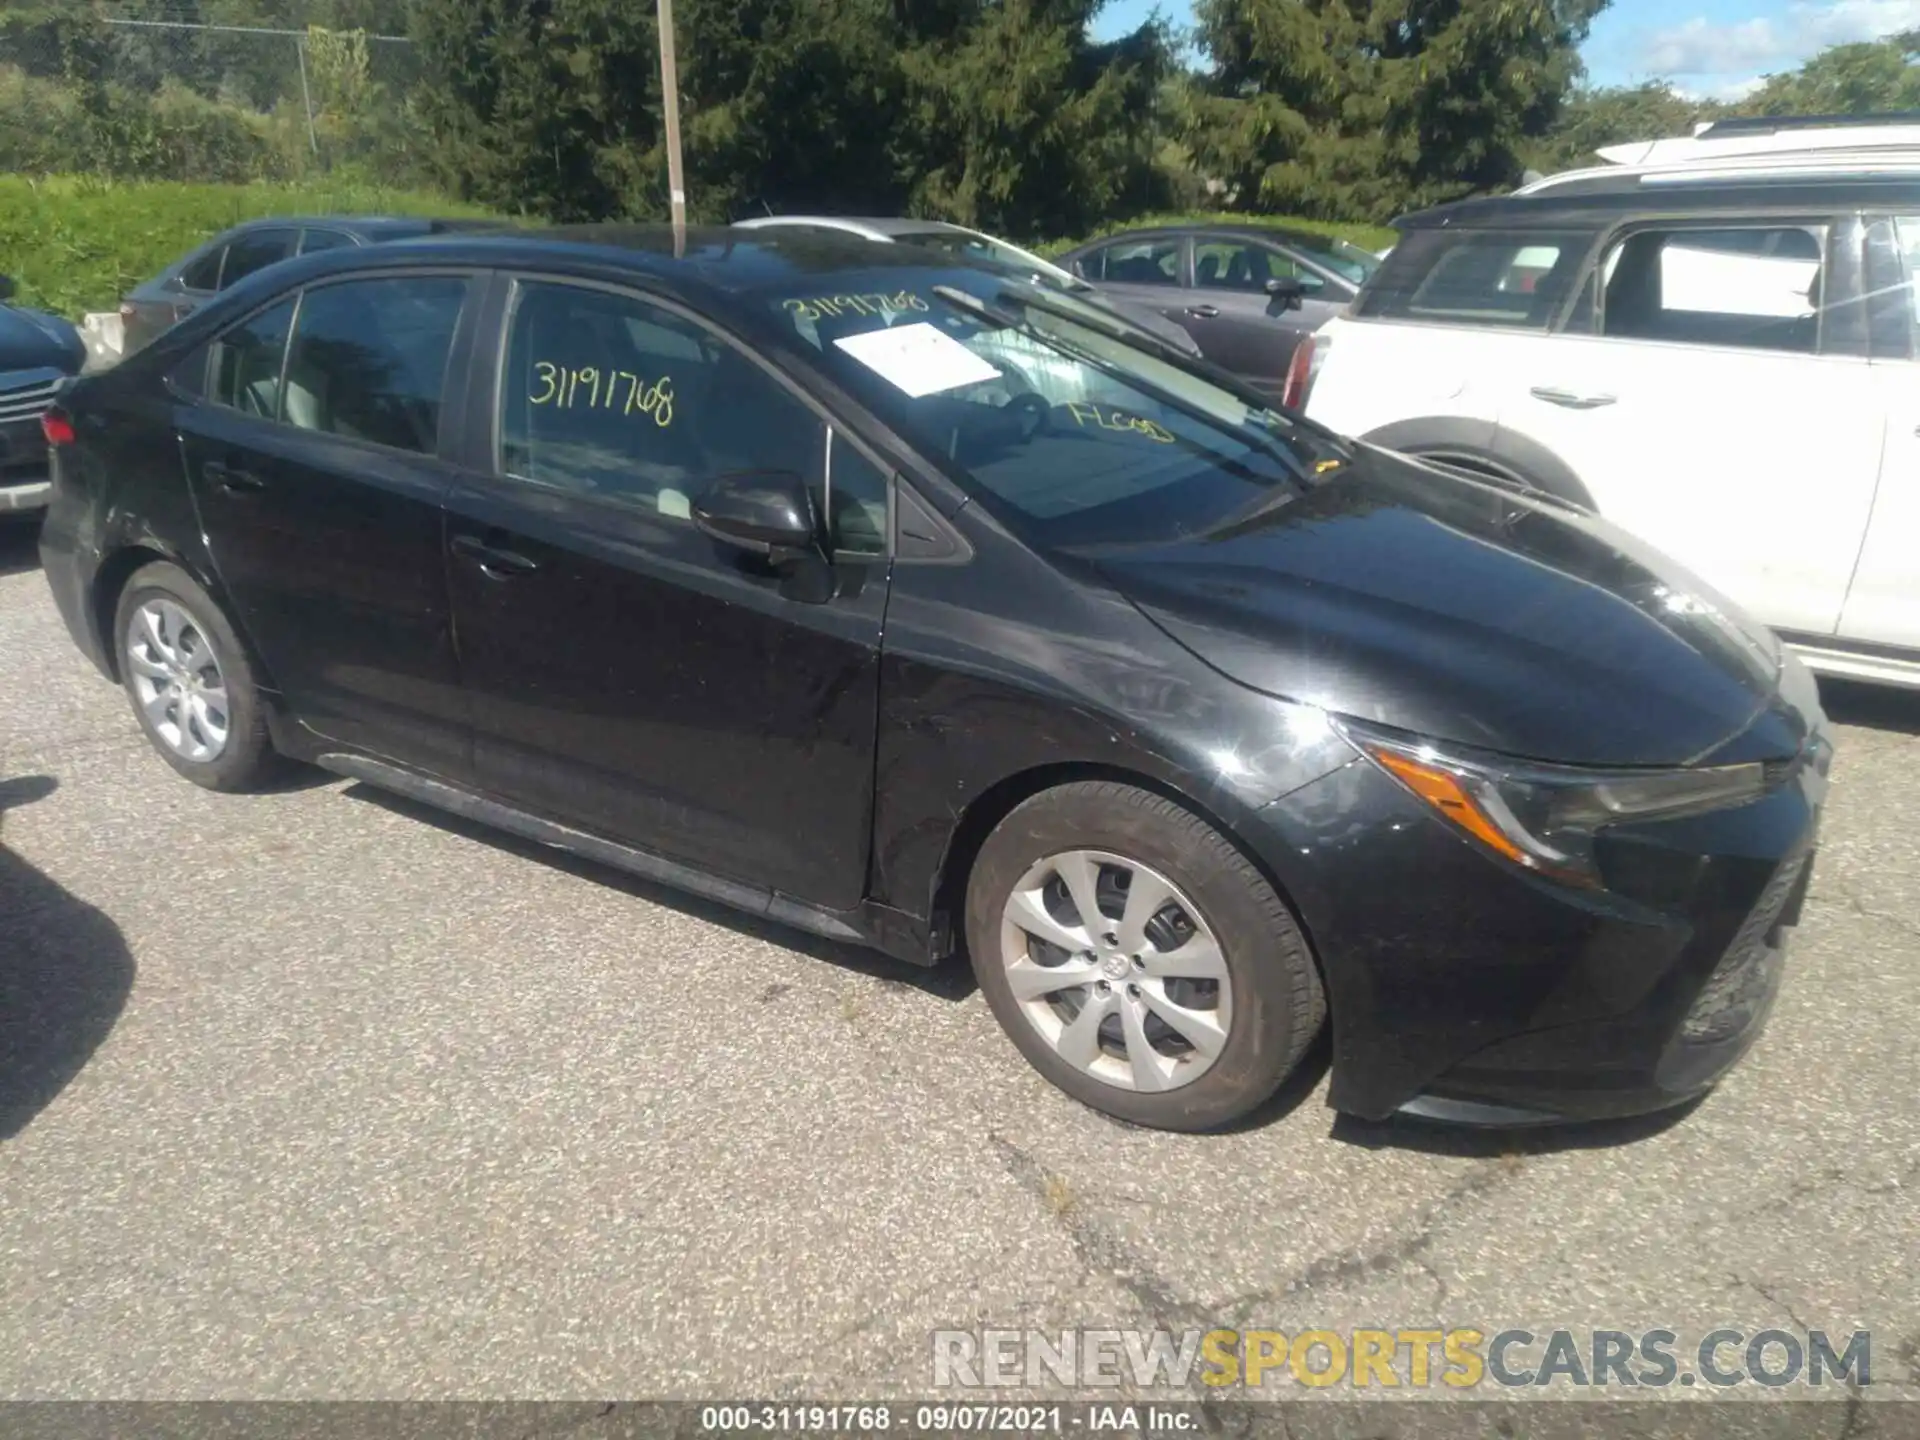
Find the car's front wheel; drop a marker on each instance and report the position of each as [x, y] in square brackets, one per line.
[1138, 959]
[190, 681]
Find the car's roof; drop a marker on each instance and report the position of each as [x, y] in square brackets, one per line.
[1252, 230]
[875, 226]
[1595, 196]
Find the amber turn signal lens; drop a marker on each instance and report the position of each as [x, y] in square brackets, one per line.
[1441, 789]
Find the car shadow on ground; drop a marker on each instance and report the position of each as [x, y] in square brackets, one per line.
[65, 973]
[1430, 1137]
[1876, 707]
[19, 545]
[951, 980]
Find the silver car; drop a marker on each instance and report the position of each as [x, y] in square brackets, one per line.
[986, 250]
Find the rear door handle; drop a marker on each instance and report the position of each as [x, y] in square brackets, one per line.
[1203, 312]
[231, 479]
[493, 559]
[1570, 399]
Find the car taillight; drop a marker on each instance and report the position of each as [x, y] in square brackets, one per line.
[1301, 370]
[57, 428]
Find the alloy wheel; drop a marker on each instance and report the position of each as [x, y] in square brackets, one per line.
[177, 680]
[1117, 969]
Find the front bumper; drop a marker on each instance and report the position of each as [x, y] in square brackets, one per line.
[1463, 989]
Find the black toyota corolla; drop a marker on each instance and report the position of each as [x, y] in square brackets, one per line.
[871, 593]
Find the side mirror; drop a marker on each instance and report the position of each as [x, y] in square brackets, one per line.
[1286, 292]
[769, 512]
[6, 287]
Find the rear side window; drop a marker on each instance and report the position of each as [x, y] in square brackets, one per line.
[204, 273]
[314, 240]
[1476, 277]
[1755, 287]
[1135, 262]
[369, 359]
[255, 251]
[246, 363]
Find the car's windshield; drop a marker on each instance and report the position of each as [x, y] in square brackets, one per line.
[995, 255]
[1081, 436]
[1339, 256]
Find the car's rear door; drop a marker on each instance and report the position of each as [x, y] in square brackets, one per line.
[1149, 270]
[1716, 412]
[314, 461]
[627, 674]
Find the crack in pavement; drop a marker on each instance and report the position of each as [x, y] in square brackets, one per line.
[1349, 1265]
[1767, 1295]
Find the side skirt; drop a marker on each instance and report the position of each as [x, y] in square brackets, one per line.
[753, 900]
[1851, 660]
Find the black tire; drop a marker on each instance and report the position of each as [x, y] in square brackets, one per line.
[1277, 1001]
[247, 758]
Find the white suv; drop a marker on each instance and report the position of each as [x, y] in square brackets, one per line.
[1725, 360]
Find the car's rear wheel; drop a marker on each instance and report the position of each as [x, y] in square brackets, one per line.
[1138, 959]
[190, 681]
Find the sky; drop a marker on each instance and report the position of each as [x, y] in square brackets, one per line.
[1717, 48]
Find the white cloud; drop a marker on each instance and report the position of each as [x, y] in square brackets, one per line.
[1767, 45]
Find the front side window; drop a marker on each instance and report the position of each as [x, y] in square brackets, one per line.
[1040, 407]
[1135, 262]
[610, 395]
[1475, 277]
[1236, 265]
[369, 359]
[1752, 287]
[254, 251]
[246, 363]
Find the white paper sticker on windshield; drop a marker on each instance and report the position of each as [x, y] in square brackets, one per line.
[918, 358]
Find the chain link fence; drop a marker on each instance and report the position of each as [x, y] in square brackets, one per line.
[95, 90]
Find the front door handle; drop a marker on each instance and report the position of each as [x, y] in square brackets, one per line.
[232, 479]
[1570, 399]
[1203, 312]
[493, 559]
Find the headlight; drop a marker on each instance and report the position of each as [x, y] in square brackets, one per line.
[1544, 817]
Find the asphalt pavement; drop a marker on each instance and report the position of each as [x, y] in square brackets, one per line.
[319, 1094]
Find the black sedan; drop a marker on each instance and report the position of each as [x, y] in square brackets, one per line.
[913, 606]
[38, 352]
[232, 255]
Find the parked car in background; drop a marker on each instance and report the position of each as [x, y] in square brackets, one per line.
[1723, 358]
[1246, 293]
[232, 255]
[38, 352]
[983, 249]
[887, 596]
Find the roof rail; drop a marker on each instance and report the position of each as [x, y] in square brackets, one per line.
[1775, 124]
[1769, 136]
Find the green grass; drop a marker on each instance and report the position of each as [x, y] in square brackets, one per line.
[73, 245]
[1368, 237]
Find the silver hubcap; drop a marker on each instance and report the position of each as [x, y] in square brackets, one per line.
[177, 680]
[1117, 969]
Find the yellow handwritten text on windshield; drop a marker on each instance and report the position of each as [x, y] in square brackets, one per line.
[589, 388]
[1104, 418]
[821, 306]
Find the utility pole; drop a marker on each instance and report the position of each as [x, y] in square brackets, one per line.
[670, 103]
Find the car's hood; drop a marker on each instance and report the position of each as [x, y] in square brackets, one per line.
[30, 340]
[1395, 593]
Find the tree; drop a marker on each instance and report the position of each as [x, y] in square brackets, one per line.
[1609, 115]
[1876, 75]
[1358, 109]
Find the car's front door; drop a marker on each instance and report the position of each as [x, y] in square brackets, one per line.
[314, 465]
[1708, 418]
[1883, 603]
[628, 674]
[1237, 324]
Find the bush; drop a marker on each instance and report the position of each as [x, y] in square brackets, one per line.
[78, 244]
